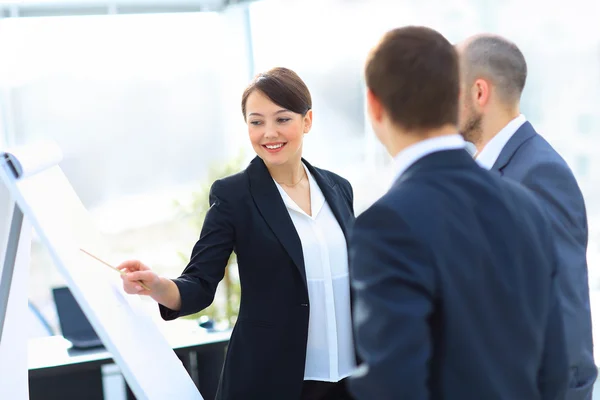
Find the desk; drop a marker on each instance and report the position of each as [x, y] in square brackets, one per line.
[56, 371]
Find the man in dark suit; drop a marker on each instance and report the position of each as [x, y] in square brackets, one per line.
[453, 269]
[494, 74]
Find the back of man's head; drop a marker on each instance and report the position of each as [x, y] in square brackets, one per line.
[496, 60]
[413, 71]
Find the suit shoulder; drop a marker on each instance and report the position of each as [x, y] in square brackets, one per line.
[537, 151]
[520, 198]
[230, 186]
[542, 167]
[333, 177]
[338, 180]
[515, 190]
[407, 209]
[411, 199]
[383, 209]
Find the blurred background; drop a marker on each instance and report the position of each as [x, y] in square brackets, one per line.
[144, 99]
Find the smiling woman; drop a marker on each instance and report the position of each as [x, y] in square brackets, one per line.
[278, 109]
[287, 222]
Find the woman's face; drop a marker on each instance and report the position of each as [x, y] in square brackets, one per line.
[276, 134]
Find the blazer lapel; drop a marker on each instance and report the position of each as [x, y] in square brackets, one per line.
[524, 133]
[273, 210]
[332, 197]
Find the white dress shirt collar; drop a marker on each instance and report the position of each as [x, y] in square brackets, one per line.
[413, 153]
[316, 197]
[490, 153]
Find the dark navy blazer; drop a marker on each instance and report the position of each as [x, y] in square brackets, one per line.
[530, 160]
[453, 274]
[267, 351]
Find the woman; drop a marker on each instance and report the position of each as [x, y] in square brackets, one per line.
[287, 221]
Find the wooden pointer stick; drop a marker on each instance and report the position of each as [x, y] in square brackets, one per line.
[110, 266]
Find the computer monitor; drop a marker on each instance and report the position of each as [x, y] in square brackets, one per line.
[74, 325]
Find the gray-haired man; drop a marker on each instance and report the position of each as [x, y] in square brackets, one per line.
[494, 72]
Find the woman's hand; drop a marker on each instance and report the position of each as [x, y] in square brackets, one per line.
[137, 273]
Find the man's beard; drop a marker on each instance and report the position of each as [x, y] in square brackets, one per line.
[471, 130]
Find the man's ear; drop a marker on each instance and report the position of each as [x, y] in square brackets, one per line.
[374, 107]
[481, 92]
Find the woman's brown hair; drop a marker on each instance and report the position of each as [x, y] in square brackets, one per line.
[284, 87]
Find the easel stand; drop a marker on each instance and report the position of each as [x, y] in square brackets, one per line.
[45, 200]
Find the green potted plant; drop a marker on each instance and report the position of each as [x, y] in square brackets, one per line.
[196, 210]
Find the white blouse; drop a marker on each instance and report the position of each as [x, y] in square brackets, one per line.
[330, 349]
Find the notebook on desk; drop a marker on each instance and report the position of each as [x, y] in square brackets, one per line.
[74, 325]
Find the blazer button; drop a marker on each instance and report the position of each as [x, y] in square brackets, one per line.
[304, 304]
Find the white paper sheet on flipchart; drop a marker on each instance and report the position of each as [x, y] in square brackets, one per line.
[147, 361]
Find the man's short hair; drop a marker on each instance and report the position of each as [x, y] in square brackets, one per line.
[498, 60]
[414, 73]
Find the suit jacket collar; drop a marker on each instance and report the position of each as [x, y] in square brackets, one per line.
[439, 160]
[411, 154]
[272, 207]
[523, 134]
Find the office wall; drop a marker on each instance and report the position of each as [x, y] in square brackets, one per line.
[328, 42]
[143, 104]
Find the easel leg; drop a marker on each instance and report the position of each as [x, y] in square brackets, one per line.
[15, 314]
[10, 257]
